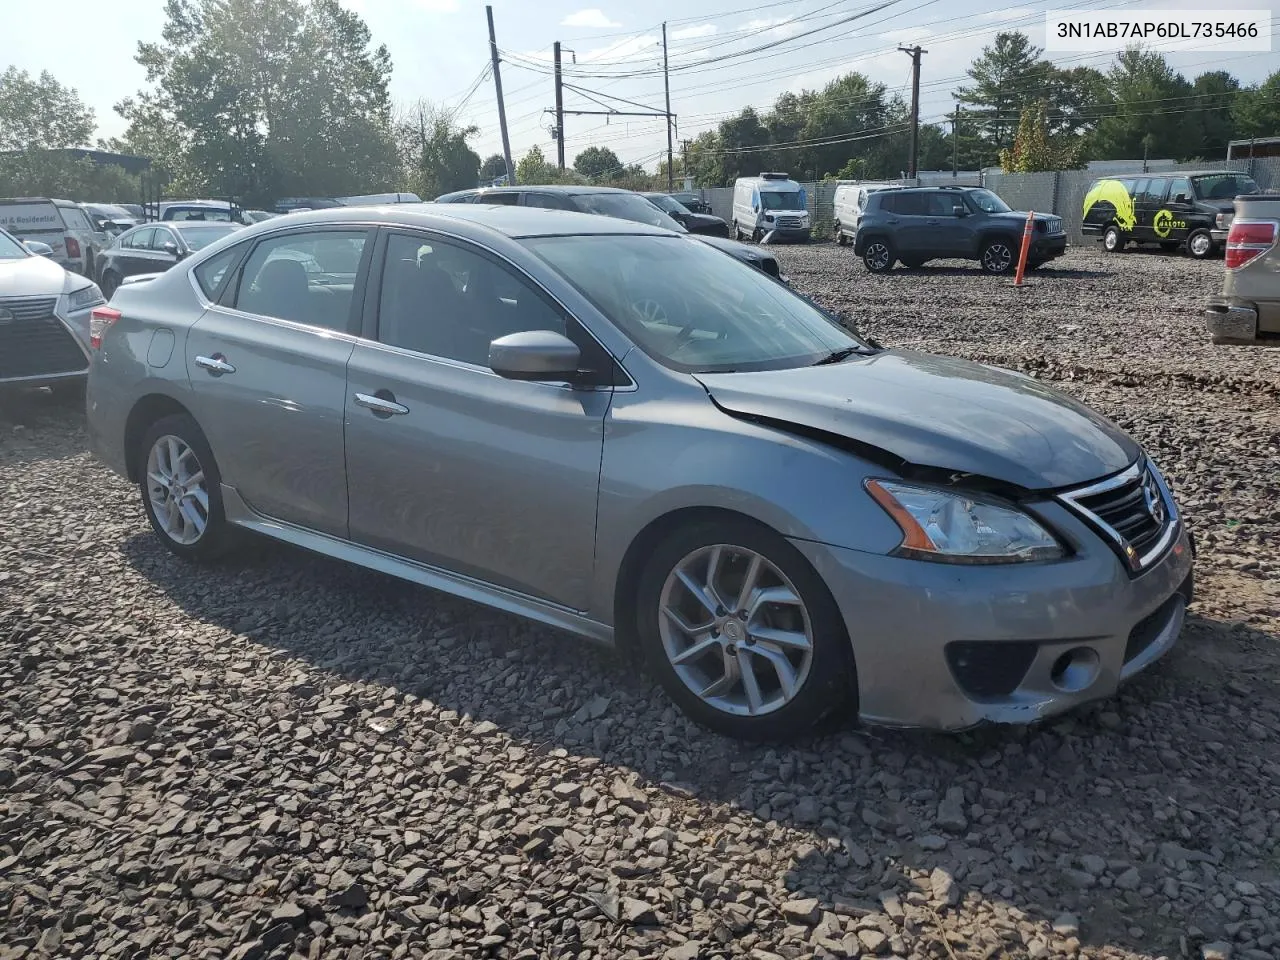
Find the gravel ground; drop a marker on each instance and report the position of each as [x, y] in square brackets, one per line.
[287, 757]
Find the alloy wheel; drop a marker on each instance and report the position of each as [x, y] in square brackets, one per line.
[878, 256]
[735, 630]
[176, 490]
[997, 258]
[1200, 244]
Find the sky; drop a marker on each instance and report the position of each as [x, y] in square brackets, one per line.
[440, 49]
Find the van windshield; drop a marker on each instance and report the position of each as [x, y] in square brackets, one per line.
[781, 200]
[1223, 186]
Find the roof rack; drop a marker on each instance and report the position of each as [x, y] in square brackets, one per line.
[775, 176]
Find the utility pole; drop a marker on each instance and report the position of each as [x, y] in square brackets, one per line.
[559, 110]
[502, 109]
[666, 85]
[914, 54]
[955, 143]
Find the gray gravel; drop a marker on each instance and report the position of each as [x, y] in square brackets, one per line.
[287, 757]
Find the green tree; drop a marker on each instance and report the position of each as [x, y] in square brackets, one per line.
[1256, 110]
[533, 167]
[40, 113]
[494, 166]
[597, 163]
[1215, 95]
[1149, 98]
[436, 152]
[1033, 149]
[269, 97]
[1007, 75]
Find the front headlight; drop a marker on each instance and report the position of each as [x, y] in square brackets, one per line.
[84, 298]
[954, 527]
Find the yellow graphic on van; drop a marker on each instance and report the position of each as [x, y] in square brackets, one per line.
[1164, 223]
[1112, 192]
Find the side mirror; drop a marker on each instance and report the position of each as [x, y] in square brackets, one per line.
[38, 248]
[170, 248]
[536, 355]
[1182, 198]
[959, 210]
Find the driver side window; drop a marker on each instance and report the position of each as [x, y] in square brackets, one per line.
[450, 301]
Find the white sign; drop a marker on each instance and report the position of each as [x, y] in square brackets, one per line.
[1212, 31]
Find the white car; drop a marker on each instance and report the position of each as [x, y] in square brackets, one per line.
[44, 318]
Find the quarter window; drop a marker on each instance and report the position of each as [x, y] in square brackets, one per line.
[304, 277]
[74, 219]
[210, 273]
[449, 301]
[140, 240]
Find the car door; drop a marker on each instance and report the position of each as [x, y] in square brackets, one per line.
[1149, 196]
[1171, 223]
[451, 465]
[134, 253]
[267, 365]
[949, 234]
[154, 258]
[912, 234]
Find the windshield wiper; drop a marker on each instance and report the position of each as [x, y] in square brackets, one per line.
[835, 356]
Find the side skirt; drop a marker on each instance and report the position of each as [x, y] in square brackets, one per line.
[242, 515]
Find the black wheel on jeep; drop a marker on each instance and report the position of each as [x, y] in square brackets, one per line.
[997, 256]
[878, 256]
[1112, 239]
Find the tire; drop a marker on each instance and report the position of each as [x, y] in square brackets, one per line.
[878, 257]
[757, 235]
[1112, 239]
[1200, 244]
[110, 283]
[998, 256]
[823, 673]
[180, 434]
[841, 239]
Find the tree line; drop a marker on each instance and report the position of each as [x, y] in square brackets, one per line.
[260, 99]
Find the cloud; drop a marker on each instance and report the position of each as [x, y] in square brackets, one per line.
[593, 18]
[689, 33]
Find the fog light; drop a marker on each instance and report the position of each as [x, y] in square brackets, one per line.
[1075, 670]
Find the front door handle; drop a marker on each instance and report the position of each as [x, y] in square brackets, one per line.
[891, 220]
[216, 365]
[384, 406]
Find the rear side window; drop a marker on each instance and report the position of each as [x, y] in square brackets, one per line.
[1180, 187]
[304, 278]
[209, 275]
[505, 199]
[1153, 191]
[1129, 184]
[912, 204]
[548, 201]
[140, 240]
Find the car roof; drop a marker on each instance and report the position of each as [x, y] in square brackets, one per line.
[1169, 174]
[475, 219]
[570, 189]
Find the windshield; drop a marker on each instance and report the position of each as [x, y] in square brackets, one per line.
[987, 201]
[1223, 186]
[198, 213]
[691, 307]
[199, 237]
[10, 249]
[779, 200]
[670, 204]
[626, 206]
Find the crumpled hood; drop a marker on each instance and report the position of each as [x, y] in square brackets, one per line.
[32, 277]
[940, 412]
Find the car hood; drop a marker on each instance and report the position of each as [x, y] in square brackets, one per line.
[31, 277]
[938, 412]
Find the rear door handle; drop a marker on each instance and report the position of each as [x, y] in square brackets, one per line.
[381, 406]
[892, 220]
[216, 365]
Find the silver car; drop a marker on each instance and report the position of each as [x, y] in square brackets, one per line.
[622, 432]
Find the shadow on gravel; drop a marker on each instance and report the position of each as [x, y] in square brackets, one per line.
[28, 415]
[1082, 822]
[1047, 272]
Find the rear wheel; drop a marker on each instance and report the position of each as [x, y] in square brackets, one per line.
[997, 256]
[1200, 244]
[840, 237]
[742, 632]
[1112, 239]
[878, 256]
[181, 489]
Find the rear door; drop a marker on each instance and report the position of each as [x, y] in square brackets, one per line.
[268, 369]
[135, 255]
[1171, 221]
[912, 232]
[1148, 198]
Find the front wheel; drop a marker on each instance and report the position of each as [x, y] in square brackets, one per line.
[742, 632]
[997, 257]
[878, 256]
[181, 489]
[1113, 239]
[1200, 244]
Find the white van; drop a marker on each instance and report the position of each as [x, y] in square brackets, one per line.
[850, 201]
[770, 203]
[59, 223]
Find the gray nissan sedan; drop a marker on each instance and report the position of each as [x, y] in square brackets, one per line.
[627, 434]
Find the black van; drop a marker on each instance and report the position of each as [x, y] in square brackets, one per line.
[1172, 209]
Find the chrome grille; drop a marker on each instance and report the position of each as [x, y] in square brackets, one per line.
[1132, 510]
[34, 342]
[790, 222]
